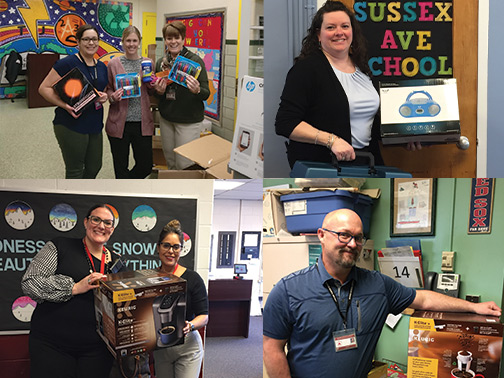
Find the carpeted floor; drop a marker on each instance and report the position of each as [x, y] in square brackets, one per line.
[235, 357]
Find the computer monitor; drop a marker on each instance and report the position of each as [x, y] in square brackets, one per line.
[240, 269]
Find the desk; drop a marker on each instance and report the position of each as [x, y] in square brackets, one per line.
[229, 307]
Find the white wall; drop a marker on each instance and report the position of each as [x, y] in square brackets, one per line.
[238, 216]
[202, 190]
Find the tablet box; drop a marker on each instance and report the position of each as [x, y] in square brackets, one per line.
[273, 214]
[442, 343]
[419, 110]
[139, 311]
[305, 212]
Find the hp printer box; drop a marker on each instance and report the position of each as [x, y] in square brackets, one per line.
[419, 111]
[140, 311]
[454, 345]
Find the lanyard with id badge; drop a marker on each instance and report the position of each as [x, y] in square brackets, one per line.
[346, 338]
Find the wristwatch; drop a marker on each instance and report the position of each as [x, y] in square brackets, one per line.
[192, 326]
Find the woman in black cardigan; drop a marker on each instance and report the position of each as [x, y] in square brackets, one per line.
[329, 103]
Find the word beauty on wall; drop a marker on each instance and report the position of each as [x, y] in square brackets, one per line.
[480, 211]
[411, 39]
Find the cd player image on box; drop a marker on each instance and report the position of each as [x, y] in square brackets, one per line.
[420, 106]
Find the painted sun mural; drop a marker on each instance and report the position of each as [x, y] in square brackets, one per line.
[40, 26]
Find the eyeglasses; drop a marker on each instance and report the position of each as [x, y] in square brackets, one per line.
[167, 246]
[345, 237]
[87, 40]
[107, 223]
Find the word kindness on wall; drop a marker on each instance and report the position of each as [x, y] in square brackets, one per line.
[407, 39]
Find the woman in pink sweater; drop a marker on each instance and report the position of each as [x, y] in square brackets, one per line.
[130, 121]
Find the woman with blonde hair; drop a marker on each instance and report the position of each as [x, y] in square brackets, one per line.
[130, 121]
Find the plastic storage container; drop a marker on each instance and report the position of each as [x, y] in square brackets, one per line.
[305, 212]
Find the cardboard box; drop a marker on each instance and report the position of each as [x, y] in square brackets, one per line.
[187, 174]
[419, 110]
[379, 370]
[443, 343]
[273, 214]
[210, 152]
[137, 312]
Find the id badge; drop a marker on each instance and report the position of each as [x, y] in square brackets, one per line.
[170, 93]
[345, 339]
[98, 105]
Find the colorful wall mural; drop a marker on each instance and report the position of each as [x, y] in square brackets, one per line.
[42, 26]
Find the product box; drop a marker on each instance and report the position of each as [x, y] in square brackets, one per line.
[139, 311]
[454, 345]
[210, 152]
[305, 212]
[183, 67]
[75, 90]
[130, 83]
[420, 110]
[379, 370]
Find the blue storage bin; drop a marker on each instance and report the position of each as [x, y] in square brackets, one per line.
[305, 212]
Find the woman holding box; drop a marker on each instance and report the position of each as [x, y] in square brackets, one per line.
[329, 104]
[181, 107]
[79, 135]
[182, 361]
[130, 121]
[60, 278]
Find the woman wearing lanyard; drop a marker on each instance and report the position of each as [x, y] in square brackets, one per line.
[63, 337]
[79, 136]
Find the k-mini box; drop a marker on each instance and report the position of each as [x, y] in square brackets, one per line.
[140, 311]
[454, 345]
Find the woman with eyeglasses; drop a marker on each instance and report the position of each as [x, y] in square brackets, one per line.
[79, 135]
[182, 360]
[63, 339]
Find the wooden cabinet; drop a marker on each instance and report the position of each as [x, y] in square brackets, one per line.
[37, 68]
[229, 307]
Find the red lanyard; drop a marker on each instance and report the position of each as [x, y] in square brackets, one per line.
[102, 267]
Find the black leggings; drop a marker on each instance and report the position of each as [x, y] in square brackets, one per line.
[50, 361]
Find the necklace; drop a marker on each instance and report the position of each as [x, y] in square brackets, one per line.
[90, 259]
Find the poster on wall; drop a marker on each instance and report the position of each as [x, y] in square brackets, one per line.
[481, 208]
[47, 26]
[204, 37]
[407, 39]
[31, 219]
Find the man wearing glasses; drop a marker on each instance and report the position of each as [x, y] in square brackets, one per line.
[331, 314]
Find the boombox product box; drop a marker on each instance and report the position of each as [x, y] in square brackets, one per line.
[139, 311]
[454, 345]
[420, 111]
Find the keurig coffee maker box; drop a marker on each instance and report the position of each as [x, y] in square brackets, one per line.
[140, 311]
[454, 345]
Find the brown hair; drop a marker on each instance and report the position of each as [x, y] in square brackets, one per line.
[80, 31]
[100, 205]
[129, 30]
[173, 227]
[174, 29]
[358, 50]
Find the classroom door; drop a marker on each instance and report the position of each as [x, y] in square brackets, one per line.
[148, 31]
[449, 160]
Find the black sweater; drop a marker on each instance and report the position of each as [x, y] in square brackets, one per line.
[312, 93]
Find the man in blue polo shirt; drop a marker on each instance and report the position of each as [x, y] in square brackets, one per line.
[330, 315]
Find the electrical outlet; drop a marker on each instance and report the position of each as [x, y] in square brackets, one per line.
[448, 261]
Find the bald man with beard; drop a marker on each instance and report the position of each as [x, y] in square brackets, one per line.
[331, 314]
